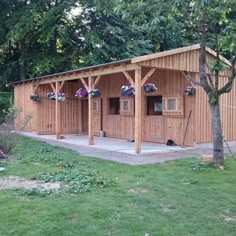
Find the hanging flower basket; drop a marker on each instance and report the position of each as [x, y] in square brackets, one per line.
[51, 96]
[81, 93]
[94, 93]
[149, 88]
[34, 98]
[127, 91]
[59, 96]
[189, 91]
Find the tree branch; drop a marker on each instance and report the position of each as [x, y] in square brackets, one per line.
[210, 81]
[218, 62]
[189, 77]
[202, 57]
[228, 86]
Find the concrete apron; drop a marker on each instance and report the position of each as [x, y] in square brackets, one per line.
[110, 144]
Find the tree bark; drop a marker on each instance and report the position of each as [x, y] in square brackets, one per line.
[218, 148]
[22, 62]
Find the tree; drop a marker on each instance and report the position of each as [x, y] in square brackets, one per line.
[216, 20]
[160, 21]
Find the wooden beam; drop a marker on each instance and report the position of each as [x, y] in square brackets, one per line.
[84, 83]
[90, 113]
[138, 111]
[129, 78]
[97, 81]
[148, 75]
[35, 87]
[81, 74]
[62, 85]
[53, 88]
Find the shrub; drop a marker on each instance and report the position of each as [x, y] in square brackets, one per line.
[9, 138]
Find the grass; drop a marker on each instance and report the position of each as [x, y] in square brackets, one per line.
[166, 199]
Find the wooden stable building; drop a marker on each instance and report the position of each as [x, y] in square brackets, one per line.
[166, 114]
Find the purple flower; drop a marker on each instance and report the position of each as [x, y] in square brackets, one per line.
[81, 93]
[127, 91]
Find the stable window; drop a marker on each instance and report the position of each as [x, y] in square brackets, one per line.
[154, 105]
[173, 105]
[126, 106]
[114, 106]
[95, 105]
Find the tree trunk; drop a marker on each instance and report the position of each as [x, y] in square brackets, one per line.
[22, 62]
[218, 148]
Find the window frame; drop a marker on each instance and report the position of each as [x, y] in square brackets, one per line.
[130, 106]
[179, 105]
[97, 109]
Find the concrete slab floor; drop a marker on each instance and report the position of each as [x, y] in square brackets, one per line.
[111, 144]
[122, 151]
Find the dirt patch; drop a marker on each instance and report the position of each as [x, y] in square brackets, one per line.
[12, 182]
[206, 158]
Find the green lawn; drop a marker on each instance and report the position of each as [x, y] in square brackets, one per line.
[116, 199]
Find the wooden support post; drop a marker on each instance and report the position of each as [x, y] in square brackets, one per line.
[138, 110]
[58, 113]
[90, 113]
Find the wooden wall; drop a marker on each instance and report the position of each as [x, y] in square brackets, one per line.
[43, 111]
[117, 126]
[185, 61]
[155, 128]
[203, 117]
[161, 128]
[24, 107]
[71, 110]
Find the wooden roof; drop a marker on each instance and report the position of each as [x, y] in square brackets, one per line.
[185, 58]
